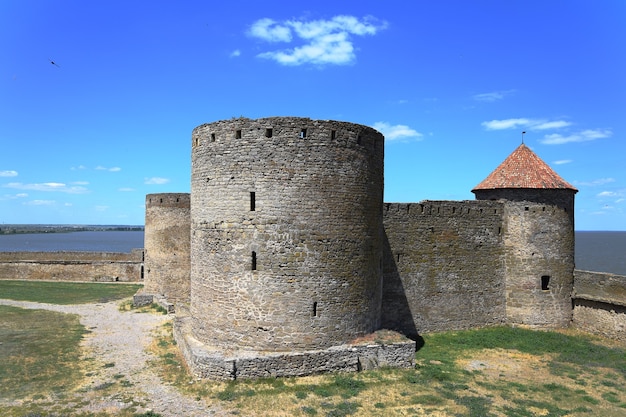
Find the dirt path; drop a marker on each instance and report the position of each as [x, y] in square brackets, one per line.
[118, 342]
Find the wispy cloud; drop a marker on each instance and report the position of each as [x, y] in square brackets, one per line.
[40, 203]
[492, 96]
[8, 173]
[584, 136]
[235, 53]
[562, 162]
[156, 181]
[524, 123]
[594, 183]
[322, 42]
[607, 194]
[397, 132]
[49, 187]
[114, 169]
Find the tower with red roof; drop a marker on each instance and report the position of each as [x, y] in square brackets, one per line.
[538, 238]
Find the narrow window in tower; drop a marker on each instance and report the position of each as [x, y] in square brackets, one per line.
[268, 132]
[545, 282]
[358, 139]
[238, 134]
[212, 137]
[141, 271]
[303, 133]
[253, 260]
[252, 201]
[160, 200]
[314, 309]
[333, 135]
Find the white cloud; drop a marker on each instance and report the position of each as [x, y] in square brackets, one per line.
[8, 173]
[235, 53]
[562, 162]
[114, 169]
[594, 183]
[325, 41]
[397, 132]
[269, 30]
[607, 194]
[156, 181]
[40, 203]
[584, 136]
[80, 167]
[524, 123]
[492, 96]
[505, 124]
[48, 186]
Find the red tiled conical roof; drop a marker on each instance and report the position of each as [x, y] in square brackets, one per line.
[523, 169]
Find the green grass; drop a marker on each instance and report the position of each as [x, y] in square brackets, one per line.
[65, 292]
[39, 353]
[565, 373]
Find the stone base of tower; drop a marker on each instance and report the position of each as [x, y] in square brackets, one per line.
[369, 353]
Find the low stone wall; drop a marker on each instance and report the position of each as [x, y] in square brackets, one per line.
[73, 266]
[599, 301]
[209, 363]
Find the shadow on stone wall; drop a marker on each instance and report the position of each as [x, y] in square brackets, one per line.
[396, 312]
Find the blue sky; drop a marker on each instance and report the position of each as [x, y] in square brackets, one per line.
[451, 84]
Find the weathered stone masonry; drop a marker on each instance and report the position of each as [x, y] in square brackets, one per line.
[73, 266]
[286, 233]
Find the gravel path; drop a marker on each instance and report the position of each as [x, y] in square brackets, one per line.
[118, 341]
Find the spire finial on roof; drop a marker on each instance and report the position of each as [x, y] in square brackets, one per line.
[523, 133]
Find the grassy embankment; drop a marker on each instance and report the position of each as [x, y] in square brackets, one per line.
[489, 372]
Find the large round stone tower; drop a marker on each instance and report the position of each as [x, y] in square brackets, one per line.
[166, 246]
[538, 236]
[286, 233]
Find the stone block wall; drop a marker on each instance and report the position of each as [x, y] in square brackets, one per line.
[539, 247]
[286, 244]
[599, 302]
[443, 266]
[166, 242]
[73, 266]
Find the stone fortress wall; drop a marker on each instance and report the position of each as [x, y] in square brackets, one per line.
[443, 266]
[73, 266]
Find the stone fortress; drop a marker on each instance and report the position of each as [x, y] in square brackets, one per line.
[284, 254]
[284, 260]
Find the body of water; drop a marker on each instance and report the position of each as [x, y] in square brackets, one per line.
[595, 251]
[101, 241]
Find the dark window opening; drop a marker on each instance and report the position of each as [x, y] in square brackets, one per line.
[252, 201]
[315, 309]
[545, 282]
[333, 134]
[238, 134]
[269, 132]
[160, 200]
[253, 260]
[526, 208]
[195, 142]
[303, 134]
[358, 139]
[142, 272]
[453, 210]
[212, 137]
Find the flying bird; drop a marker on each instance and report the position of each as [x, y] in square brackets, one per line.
[53, 63]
